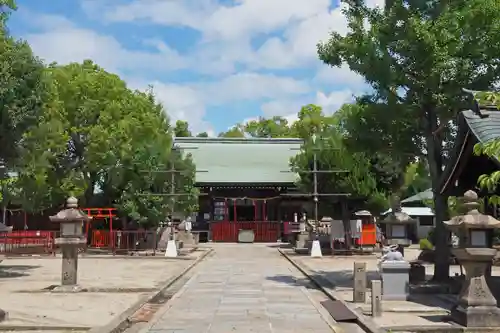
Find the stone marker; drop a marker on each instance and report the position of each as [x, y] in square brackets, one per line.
[376, 298]
[71, 222]
[359, 290]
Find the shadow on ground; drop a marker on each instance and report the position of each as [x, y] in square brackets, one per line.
[342, 280]
[14, 271]
[281, 246]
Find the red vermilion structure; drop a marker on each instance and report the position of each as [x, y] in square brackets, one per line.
[98, 238]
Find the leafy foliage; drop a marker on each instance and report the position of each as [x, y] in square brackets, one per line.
[418, 56]
[96, 135]
[490, 149]
[22, 93]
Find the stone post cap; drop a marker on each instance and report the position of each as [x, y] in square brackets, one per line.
[72, 202]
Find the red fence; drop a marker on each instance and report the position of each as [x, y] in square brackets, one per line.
[124, 240]
[27, 242]
[227, 231]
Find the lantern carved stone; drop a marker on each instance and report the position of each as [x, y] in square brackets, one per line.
[476, 305]
[71, 222]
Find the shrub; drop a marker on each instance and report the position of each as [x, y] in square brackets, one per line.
[425, 244]
[430, 236]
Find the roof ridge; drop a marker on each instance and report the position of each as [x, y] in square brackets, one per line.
[237, 140]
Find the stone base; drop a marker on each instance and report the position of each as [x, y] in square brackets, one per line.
[480, 316]
[67, 289]
[171, 251]
[395, 280]
[395, 297]
[316, 249]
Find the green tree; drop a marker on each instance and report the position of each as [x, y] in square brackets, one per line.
[236, 131]
[181, 129]
[202, 135]
[22, 93]
[418, 55]
[275, 127]
[332, 154]
[491, 149]
[6, 7]
[98, 136]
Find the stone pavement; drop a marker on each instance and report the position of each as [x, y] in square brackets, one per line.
[120, 282]
[243, 288]
[421, 310]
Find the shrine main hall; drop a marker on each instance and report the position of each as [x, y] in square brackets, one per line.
[245, 183]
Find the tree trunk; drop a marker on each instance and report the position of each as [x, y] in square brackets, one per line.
[442, 248]
[435, 160]
[347, 224]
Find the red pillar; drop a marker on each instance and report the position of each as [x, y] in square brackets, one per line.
[234, 210]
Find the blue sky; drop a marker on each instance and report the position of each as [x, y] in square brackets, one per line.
[213, 63]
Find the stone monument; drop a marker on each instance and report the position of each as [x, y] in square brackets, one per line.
[395, 272]
[171, 250]
[72, 238]
[303, 236]
[360, 281]
[476, 305]
[185, 235]
[397, 223]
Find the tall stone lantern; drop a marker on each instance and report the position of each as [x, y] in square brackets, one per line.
[397, 224]
[476, 305]
[71, 239]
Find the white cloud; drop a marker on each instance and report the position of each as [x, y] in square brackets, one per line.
[289, 108]
[189, 101]
[333, 101]
[251, 86]
[341, 76]
[227, 30]
[63, 42]
[225, 52]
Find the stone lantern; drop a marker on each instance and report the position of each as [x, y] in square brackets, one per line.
[397, 224]
[71, 239]
[476, 305]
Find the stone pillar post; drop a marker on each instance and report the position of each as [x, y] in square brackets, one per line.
[359, 290]
[69, 274]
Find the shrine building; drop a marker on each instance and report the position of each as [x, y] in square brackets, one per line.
[464, 166]
[245, 183]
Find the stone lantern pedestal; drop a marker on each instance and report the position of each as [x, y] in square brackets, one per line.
[72, 238]
[476, 305]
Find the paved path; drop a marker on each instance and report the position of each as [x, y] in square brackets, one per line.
[243, 288]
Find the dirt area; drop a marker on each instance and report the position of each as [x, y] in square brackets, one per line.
[122, 281]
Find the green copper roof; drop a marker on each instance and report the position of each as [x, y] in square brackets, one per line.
[241, 160]
[484, 129]
[471, 129]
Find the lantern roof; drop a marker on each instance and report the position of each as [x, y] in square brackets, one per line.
[474, 219]
[71, 213]
[397, 216]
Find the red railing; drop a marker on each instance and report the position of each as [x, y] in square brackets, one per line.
[117, 240]
[227, 231]
[27, 242]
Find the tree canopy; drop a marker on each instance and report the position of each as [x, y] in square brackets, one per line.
[417, 56]
[102, 142]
